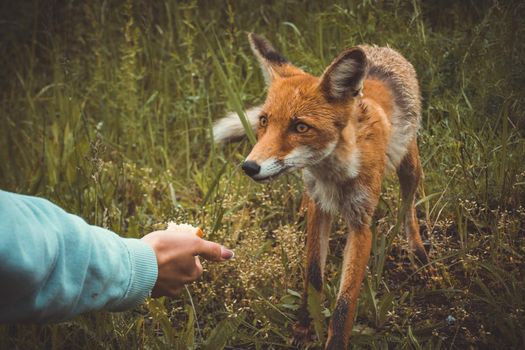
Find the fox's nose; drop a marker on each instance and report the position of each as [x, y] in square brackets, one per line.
[251, 168]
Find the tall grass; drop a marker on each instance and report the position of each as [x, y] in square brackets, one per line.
[106, 108]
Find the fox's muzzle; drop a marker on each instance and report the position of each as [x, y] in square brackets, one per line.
[251, 168]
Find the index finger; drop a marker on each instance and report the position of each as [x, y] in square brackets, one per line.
[212, 251]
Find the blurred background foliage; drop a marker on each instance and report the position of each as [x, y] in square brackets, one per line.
[106, 108]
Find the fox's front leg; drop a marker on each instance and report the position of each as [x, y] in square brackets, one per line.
[318, 224]
[356, 254]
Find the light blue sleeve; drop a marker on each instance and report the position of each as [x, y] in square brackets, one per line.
[54, 266]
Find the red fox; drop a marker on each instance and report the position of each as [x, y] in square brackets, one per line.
[344, 130]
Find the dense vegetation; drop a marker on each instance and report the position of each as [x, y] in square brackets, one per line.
[106, 108]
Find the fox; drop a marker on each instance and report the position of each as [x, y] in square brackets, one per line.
[345, 130]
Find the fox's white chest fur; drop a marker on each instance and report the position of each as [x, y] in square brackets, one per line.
[333, 186]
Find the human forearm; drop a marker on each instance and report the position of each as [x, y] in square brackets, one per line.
[56, 266]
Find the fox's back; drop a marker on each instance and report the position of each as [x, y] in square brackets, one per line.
[399, 75]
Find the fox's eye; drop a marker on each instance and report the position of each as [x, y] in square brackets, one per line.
[301, 127]
[263, 120]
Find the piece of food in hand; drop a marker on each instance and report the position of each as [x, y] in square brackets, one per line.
[199, 232]
[183, 227]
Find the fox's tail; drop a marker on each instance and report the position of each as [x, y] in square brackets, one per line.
[230, 128]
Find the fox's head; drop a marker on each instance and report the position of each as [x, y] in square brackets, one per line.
[303, 117]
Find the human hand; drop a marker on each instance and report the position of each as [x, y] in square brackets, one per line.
[178, 249]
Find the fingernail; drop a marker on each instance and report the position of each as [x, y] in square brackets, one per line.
[227, 254]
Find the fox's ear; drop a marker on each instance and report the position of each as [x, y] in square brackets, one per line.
[344, 77]
[273, 64]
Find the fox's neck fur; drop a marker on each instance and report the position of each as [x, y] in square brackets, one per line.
[341, 181]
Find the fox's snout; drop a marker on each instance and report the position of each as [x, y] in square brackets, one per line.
[265, 170]
[262, 165]
[251, 168]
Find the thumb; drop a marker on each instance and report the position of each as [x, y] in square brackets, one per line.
[213, 251]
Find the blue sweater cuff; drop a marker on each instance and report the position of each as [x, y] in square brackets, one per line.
[144, 270]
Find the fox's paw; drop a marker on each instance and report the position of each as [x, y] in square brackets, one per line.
[421, 264]
[302, 335]
[421, 256]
